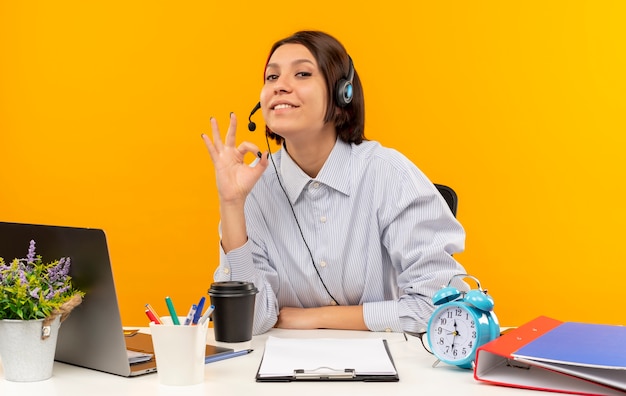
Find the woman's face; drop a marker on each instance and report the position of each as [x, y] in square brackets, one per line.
[294, 97]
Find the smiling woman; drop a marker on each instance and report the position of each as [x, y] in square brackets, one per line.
[340, 232]
[338, 78]
[294, 102]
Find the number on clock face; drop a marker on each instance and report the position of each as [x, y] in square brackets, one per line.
[453, 333]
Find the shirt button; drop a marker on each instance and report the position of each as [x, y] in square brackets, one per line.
[227, 270]
[316, 185]
[388, 330]
[323, 219]
[333, 302]
[323, 264]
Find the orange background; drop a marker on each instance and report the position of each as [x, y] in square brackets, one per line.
[519, 106]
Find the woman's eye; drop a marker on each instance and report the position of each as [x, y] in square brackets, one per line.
[271, 77]
[304, 74]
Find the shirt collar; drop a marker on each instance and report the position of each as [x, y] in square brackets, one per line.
[334, 173]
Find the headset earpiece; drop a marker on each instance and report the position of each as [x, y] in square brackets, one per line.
[344, 87]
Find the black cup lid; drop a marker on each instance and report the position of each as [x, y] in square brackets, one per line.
[232, 287]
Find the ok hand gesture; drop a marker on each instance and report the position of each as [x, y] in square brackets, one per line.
[234, 178]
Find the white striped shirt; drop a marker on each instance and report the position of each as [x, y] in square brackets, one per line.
[380, 233]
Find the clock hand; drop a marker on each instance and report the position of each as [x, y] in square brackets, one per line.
[454, 331]
[454, 334]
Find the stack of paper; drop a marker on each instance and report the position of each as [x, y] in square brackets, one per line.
[138, 357]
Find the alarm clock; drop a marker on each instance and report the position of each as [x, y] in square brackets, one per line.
[462, 322]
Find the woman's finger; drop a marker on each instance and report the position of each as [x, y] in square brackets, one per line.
[217, 138]
[232, 131]
[247, 147]
[210, 147]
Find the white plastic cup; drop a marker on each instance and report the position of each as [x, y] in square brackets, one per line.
[179, 352]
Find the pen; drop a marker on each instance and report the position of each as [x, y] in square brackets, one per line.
[152, 318]
[190, 314]
[228, 355]
[154, 313]
[196, 317]
[170, 307]
[206, 315]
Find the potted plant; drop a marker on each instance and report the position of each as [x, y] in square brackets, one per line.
[35, 297]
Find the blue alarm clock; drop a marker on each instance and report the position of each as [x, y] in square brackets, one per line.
[462, 322]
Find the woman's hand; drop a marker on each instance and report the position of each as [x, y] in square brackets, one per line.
[234, 178]
[297, 318]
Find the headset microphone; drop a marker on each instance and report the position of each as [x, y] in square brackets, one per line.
[251, 124]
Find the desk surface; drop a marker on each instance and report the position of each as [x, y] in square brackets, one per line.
[236, 376]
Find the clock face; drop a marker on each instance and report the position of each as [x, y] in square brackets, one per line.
[453, 334]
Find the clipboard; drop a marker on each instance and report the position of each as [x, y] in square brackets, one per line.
[366, 360]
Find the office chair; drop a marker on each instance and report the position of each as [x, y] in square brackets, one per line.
[450, 196]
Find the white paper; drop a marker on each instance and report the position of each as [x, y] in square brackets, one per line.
[138, 357]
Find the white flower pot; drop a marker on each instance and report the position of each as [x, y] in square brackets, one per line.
[25, 355]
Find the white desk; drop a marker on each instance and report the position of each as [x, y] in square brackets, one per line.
[236, 376]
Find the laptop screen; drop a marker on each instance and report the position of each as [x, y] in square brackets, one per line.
[92, 336]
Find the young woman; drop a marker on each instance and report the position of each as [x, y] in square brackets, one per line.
[334, 230]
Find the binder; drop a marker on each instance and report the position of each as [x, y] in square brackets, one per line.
[551, 355]
[326, 359]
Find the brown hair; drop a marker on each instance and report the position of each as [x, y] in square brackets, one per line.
[334, 64]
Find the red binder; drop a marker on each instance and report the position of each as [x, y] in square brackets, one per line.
[496, 364]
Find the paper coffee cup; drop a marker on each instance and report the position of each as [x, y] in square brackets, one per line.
[234, 310]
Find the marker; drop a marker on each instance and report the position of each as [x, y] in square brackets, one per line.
[198, 314]
[152, 318]
[154, 313]
[206, 315]
[222, 356]
[191, 314]
[170, 307]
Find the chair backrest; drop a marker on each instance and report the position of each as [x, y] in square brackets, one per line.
[450, 196]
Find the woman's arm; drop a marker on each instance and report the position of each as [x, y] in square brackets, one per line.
[234, 179]
[329, 317]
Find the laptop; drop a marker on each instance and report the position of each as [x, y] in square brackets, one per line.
[92, 336]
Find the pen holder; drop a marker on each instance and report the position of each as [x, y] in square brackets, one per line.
[179, 352]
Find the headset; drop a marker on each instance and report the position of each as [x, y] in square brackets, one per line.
[343, 97]
[344, 89]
